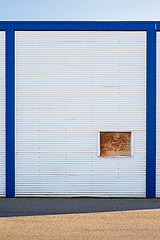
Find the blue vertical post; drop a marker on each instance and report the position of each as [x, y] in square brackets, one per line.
[10, 103]
[151, 113]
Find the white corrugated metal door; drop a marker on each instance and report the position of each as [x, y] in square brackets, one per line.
[158, 120]
[69, 85]
[2, 113]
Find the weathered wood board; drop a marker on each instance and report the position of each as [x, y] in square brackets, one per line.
[115, 144]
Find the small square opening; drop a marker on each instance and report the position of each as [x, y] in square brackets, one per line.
[115, 144]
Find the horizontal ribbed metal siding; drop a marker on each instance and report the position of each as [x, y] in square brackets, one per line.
[2, 113]
[158, 120]
[69, 85]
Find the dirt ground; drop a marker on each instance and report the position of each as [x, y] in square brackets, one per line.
[134, 224]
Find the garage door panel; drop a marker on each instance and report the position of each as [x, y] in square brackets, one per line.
[2, 113]
[158, 117]
[69, 86]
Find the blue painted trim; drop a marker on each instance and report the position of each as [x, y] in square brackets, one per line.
[10, 145]
[82, 26]
[151, 114]
[76, 25]
[157, 26]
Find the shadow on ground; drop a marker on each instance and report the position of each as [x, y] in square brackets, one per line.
[10, 207]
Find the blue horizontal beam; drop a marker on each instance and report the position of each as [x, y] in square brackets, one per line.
[78, 25]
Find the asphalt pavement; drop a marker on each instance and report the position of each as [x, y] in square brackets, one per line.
[10, 207]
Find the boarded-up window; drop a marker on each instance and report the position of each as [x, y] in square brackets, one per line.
[115, 144]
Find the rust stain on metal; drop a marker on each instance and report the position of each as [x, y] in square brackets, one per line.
[115, 144]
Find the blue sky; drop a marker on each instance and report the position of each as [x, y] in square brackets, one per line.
[109, 10]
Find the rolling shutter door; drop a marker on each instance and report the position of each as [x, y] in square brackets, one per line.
[69, 86]
[158, 120]
[2, 113]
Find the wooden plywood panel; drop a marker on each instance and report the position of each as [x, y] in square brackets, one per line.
[115, 144]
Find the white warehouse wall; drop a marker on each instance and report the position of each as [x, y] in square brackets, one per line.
[158, 119]
[2, 113]
[69, 85]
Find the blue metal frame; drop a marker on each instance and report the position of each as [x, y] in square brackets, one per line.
[150, 27]
[10, 145]
[151, 114]
[77, 25]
